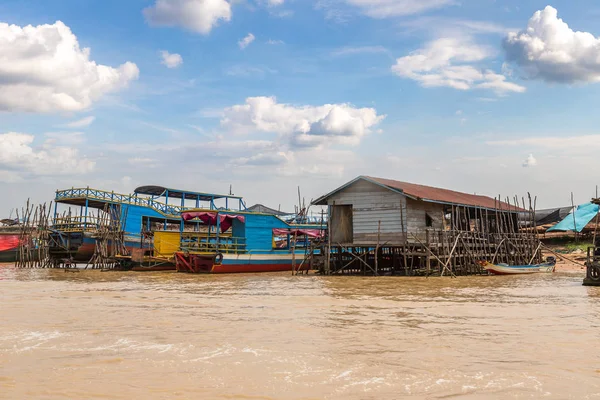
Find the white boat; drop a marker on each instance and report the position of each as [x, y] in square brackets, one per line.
[505, 269]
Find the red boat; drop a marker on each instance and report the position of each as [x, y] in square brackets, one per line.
[9, 246]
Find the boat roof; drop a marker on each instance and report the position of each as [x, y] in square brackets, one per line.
[162, 191]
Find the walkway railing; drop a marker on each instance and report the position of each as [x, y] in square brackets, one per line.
[117, 198]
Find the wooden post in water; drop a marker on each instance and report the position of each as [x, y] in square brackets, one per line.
[377, 248]
[574, 220]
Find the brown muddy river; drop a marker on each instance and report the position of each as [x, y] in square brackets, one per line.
[94, 335]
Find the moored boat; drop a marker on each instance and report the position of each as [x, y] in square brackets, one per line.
[9, 246]
[241, 241]
[505, 269]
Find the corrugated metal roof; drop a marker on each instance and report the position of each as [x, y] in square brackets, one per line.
[260, 208]
[432, 194]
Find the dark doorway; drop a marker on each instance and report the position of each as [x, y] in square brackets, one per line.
[341, 224]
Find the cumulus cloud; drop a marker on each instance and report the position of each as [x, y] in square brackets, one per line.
[302, 126]
[19, 158]
[530, 161]
[81, 123]
[452, 62]
[199, 16]
[245, 42]
[43, 69]
[394, 8]
[548, 49]
[171, 60]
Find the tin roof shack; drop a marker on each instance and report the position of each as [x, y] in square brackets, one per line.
[410, 219]
[367, 207]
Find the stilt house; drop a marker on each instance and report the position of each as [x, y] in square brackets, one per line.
[371, 210]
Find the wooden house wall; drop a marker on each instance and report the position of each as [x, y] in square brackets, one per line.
[370, 204]
[417, 215]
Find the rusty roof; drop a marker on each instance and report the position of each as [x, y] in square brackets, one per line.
[432, 194]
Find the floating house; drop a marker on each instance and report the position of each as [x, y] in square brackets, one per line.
[367, 208]
[386, 225]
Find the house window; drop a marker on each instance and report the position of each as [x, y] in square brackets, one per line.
[428, 221]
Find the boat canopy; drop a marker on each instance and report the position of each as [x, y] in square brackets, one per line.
[577, 220]
[211, 218]
[161, 191]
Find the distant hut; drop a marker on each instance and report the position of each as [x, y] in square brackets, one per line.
[259, 208]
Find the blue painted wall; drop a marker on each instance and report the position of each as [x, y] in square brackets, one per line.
[133, 217]
[259, 231]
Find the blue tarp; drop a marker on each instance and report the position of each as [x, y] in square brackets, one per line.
[583, 215]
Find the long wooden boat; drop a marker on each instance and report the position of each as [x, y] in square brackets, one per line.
[505, 269]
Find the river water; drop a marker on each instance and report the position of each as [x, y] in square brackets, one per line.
[112, 335]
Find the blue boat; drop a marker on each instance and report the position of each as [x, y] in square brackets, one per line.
[235, 242]
[142, 215]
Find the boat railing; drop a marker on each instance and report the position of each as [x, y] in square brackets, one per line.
[118, 198]
[76, 224]
[210, 243]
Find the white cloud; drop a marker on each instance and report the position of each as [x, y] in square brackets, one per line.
[302, 126]
[451, 27]
[199, 16]
[345, 51]
[249, 71]
[564, 142]
[171, 60]
[548, 49]
[275, 3]
[530, 161]
[451, 62]
[142, 161]
[274, 42]
[245, 42]
[43, 69]
[19, 157]
[64, 138]
[394, 8]
[81, 123]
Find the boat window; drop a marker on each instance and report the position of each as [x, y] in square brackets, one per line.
[281, 242]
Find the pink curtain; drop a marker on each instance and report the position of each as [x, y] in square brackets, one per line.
[312, 233]
[210, 218]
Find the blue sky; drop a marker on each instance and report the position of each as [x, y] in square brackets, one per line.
[479, 96]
